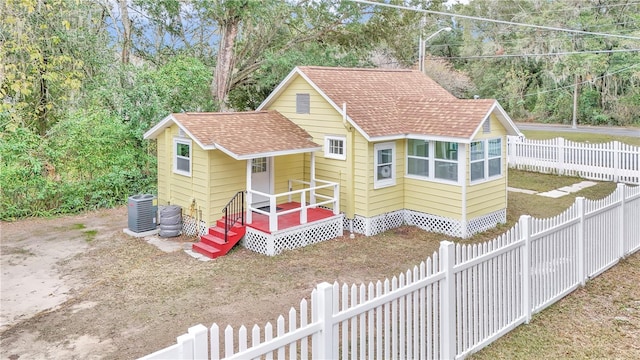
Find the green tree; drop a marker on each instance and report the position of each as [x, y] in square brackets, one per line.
[47, 50]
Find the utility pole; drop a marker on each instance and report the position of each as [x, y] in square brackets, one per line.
[574, 121]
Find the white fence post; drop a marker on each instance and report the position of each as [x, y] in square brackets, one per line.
[185, 343]
[323, 347]
[616, 161]
[582, 256]
[561, 155]
[200, 338]
[525, 226]
[447, 301]
[621, 215]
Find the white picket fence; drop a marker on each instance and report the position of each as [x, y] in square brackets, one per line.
[613, 161]
[461, 299]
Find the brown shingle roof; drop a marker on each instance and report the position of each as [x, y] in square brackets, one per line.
[246, 133]
[453, 118]
[386, 102]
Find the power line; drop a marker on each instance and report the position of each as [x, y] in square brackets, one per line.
[495, 21]
[546, 54]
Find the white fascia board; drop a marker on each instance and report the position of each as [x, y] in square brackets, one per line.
[297, 72]
[283, 84]
[334, 105]
[421, 137]
[155, 131]
[159, 127]
[267, 154]
[503, 117]
[278, 153]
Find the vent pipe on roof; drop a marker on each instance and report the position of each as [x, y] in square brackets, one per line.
[344, 117]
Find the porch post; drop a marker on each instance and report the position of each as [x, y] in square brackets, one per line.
[312, 194]
[249, 217]
[303, 208]
[273, 218]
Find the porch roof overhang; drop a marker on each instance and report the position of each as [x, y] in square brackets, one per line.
[241, 135]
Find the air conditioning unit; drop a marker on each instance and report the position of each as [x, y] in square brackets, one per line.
[143, 212]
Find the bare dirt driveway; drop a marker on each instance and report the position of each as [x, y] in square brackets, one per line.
[77, 287]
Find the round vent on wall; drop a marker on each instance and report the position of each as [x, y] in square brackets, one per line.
[385, 171]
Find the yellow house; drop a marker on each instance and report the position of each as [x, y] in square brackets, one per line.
[364, 150]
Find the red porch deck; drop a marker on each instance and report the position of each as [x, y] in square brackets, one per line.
[261, 222]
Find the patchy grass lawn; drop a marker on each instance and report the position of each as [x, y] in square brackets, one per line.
[135, 299]
[599, 321]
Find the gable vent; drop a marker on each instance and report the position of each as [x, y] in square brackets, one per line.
[486, 126]
[302, 104]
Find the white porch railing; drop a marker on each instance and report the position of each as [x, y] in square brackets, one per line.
[307, 197]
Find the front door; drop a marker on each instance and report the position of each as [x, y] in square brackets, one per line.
[261, 180]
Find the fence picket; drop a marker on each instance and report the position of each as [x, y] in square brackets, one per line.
[459, 300]
[612, 161]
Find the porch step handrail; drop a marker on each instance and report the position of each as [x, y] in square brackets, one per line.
[233, 211]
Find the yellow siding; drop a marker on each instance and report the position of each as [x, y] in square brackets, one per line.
[433, 198]
[389, 198]
[191, 193]
[227, 177]
[496, 130]
[322, 120]
[163, 148]
[362, 170]
[285, 168]
[486, 197]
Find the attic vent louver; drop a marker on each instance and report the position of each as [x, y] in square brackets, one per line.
[181, 132]
[486, 126]
[302, 104]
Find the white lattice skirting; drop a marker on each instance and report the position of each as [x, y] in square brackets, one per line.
[192, 227]
[293, 238]
[438, 224]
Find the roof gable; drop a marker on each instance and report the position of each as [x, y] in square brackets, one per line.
[242, 135]
[394, 102]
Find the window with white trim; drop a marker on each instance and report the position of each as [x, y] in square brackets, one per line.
[334, 147]
[446, 160]
[384, 165]
[182, 156]
[303, 103]
[418, 157]
[432, 159]
[486, 159]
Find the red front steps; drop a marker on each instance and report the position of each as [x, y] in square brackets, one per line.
[212, 245]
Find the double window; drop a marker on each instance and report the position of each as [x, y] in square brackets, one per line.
[432, 159]
[182, 156]
[486, 159]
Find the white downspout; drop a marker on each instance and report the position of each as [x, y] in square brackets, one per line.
[350, 163]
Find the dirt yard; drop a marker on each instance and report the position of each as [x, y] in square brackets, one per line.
[79, 288]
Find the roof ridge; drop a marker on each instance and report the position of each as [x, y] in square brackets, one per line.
[225, 112]
[337, 68]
